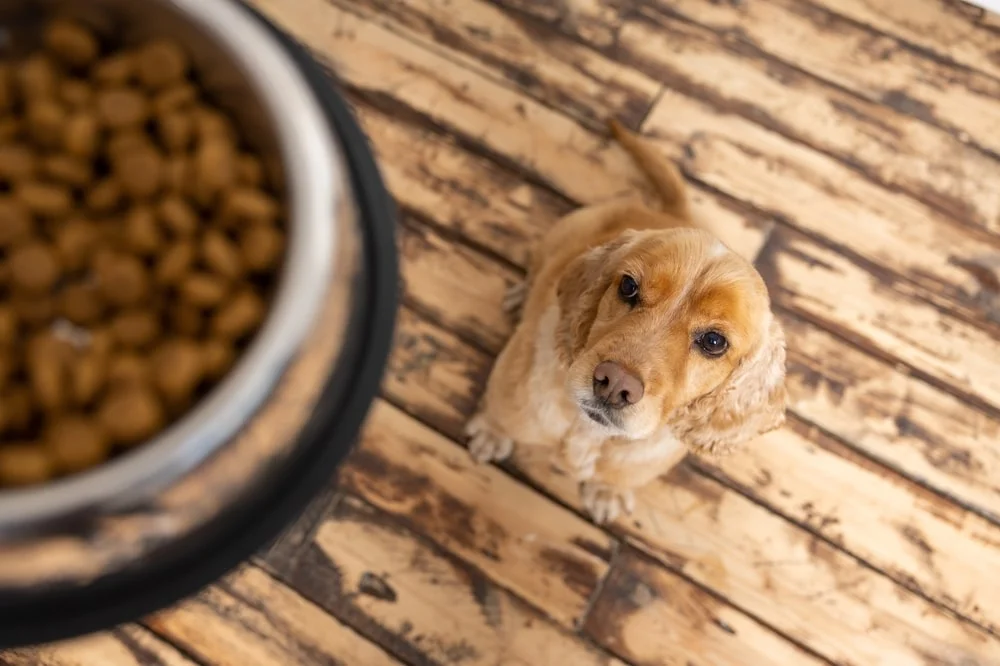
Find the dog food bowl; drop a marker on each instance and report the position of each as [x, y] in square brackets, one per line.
[151, 526]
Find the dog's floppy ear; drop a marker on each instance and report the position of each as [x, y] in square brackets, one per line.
[750, 402]
[579, 292]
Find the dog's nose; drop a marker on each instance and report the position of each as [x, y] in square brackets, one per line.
[616, 385]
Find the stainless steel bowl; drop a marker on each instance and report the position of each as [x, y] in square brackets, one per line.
[69, 534]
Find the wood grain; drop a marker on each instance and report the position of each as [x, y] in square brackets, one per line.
[543, 553]
[654, 617]
[250, 618]
[868, 63]
[126, 646]
[883, 144]
[422, 604]
[792, 581]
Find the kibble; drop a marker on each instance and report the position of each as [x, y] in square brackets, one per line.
[138, 247]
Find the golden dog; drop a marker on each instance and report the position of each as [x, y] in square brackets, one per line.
[642, 337]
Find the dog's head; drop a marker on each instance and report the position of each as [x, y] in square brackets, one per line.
[671, 328]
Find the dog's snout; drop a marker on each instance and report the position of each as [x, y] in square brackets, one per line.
[616, 386]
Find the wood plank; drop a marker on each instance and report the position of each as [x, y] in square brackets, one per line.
[250, 618]
[555, 70]
[129, 645]
[767, 566]
[932, 546]
[881, 143]
[424, 605]
[820, 196]
[654, 617]
[947, 28]
[881, 314]
[867, 63]
[391, 70]
[904, 423]
[526, 543]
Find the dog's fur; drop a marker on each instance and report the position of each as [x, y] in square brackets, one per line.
[542, 385]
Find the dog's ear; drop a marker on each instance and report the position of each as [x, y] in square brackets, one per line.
[749, 403]
[580, 289]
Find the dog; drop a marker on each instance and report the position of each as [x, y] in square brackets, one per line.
[642, 337]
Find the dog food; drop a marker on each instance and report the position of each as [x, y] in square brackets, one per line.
[138, 246]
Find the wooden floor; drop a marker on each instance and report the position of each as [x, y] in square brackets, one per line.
[853, 148]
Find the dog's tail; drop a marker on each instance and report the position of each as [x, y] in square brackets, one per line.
[665, 177]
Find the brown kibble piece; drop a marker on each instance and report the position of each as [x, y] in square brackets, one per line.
[136, 328]
[32, 308]
[214, 168]
[88, 376]
[17, 162]
[16, 224]
[140, 172]
[75, 442]
[71, 43]
[245, 204]
[239, 316]
[161, 63]
[44, 199]
[38, 78]
[217, 357]
[131, 415]
[119, 108]
[46, 364]
[128, 369]
[8, 326]
[9, 129]
[177, 370]
[250, 171]
[24, 464]
[18, 408]
[105, 196]
[175, 98]
[115, 70]
[262, 246]
[142, 232]
[81, 134]
[68, 170]
[210, 125]
[126, 141]
[175, 175]
[220, 255]
[81, 304]
[175, 130]
[178, 216]
[186, 319]
[175, 263]
[75, 93]
[34, 267]
[7, 93]
[123, 280]
[203, 290]
[46, 122]
[75, 240]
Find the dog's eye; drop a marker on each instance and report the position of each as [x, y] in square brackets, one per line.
[628, 289]
[713, 343]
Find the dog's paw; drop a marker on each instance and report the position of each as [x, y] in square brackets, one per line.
[606, 503]
[514, 297]
[485, 445]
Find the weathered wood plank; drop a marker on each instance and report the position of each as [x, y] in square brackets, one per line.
[582, 165]
[868, 63]
[765, 565]
[882, 314]
[818, 195]
[250, 618]
[947, 28]
[549, 67]
[654, 617]
[129, 645]
[907, 425]
[422, 604]
[885, 145]
[528, 544]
